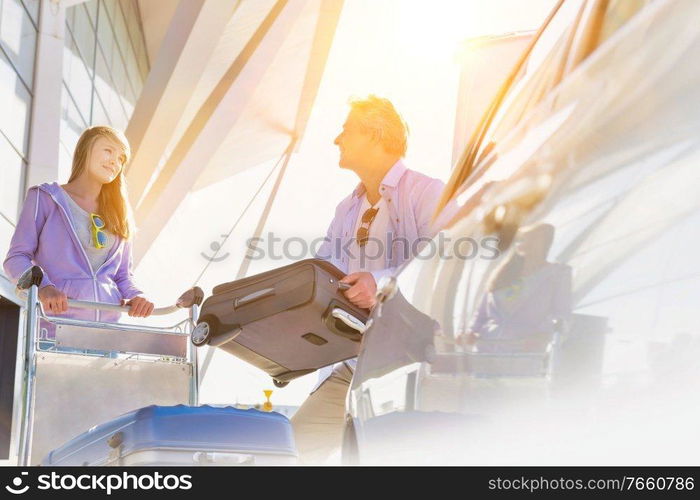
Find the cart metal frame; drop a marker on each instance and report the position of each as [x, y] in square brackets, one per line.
[28, 348]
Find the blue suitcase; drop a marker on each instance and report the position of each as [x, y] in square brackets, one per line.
[183, 435]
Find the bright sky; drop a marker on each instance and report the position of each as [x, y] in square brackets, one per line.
[404, 50]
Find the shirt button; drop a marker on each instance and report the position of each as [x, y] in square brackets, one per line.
[382, 188]
[397, 219]
[389, 200]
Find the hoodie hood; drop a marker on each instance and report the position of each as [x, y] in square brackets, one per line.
[56, 192]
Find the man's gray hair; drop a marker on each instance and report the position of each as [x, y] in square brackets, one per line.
[378, 113]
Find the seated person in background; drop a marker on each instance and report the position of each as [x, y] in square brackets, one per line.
[525, 299]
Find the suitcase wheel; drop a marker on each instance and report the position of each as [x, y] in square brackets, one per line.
[279, 384]
[204, 331]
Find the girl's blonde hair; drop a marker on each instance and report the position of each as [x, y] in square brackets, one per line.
[113, 202]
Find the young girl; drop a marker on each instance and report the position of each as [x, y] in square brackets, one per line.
[79, 233]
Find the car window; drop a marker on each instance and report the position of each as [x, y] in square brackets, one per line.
[576, 29]
[540, 73]
[617, 13]
[604, 274]
[602, 270]
[543, 70]
[608, 266]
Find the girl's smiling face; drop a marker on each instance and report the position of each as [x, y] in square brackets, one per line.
[106, 160]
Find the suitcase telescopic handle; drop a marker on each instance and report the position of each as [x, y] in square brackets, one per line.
[252, 297]
[349, 320]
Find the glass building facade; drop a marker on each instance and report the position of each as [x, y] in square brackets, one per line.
[18, 36]
[105, 64]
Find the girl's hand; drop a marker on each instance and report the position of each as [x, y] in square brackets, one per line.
[54, 301]
[139, 307]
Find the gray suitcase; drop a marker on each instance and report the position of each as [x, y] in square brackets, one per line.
[288, 322]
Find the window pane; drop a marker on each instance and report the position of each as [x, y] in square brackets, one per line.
[120, 31]
[119, 68]
[18, 37]
[118, 72]
[121, 82]
[617, 14]
[108, 95]
[127, 7]
[65, 160]
[132, 22]
[99, 114]
[91, 7]
[84, 36]
[70, 18]
[111, 6]
[128, 108]
[134, 73]
[33, 7]
[105, 37]
[76, 77]
[536, 78]
[16, 102]
[137, 36]
[103, 77]
[10, 180]
[119, 118]
[72, 125]
[635, 277]
[72, 120]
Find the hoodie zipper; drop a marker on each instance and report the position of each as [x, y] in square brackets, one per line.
[87, 260]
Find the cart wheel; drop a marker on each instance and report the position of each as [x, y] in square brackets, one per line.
[203, 332]
[279, 384]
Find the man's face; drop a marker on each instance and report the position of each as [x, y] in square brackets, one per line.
[353, 142]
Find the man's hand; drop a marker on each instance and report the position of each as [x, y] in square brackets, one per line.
[139, 307]
[363, 291]
[53, 300]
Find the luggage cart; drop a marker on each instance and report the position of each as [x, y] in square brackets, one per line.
[95, 371]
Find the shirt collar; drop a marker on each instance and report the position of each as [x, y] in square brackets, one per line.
[390, 180]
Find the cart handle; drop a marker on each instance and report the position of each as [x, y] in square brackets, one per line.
[34, 275]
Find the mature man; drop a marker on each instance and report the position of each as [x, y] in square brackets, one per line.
[375, 229]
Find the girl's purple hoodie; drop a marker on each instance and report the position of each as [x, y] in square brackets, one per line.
[45, 236]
